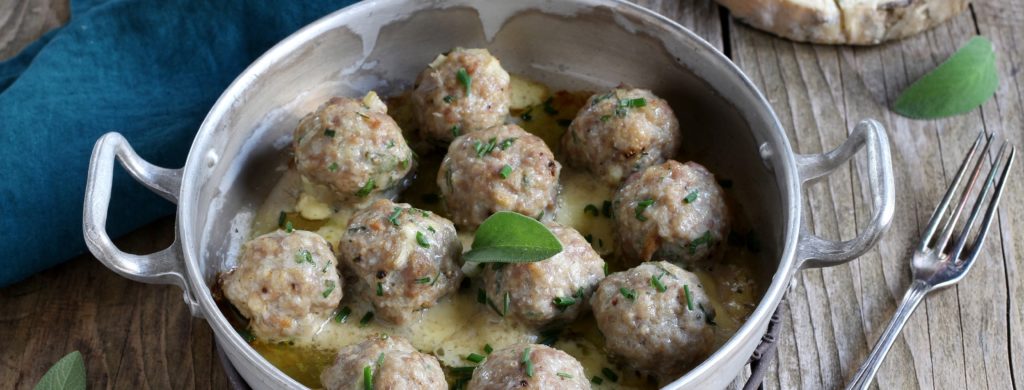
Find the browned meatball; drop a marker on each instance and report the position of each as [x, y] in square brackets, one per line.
[390, 361]
[550, 291]
[672, 211]
[529, 366]
[286, 284]
[620, 132]
[353, 147]
[405, 258]
[655, 317]
[460, 92]
[503, 168]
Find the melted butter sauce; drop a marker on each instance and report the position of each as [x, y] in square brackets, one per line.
[459, 325]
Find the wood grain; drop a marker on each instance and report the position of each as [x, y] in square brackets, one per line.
[970, 336]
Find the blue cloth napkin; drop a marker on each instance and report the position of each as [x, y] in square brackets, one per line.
[147, 69]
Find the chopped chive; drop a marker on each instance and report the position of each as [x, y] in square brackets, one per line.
[505, 171]
[528, 362]
[367, 378]
[481, 296]
[633, 103]
[448, 99]
[704, 239]
[304, 256]
[692, 196]
[467, 370]
[564, 302]
[366, 188]
[689, 299]
[366, 319]
[333, 167]
[596, 380]
[464, 79]
[548, 109]
[328, 288]
[394, 216]
[483, 149]
[421, 239]
[380, 360]
[380, 289]
[246, 335]
[526, 115]
[455, 131]
[656, 282]
[390, 144]
[508, 301]
[606, 209]
[342, 315]
[641, 206]
[507, 143]
[475, 357]
[281, 219]
[564, 375]
[423, 280]
[488, 349]
[288, 227]
[329, 133]
[591, 209]
[630, 294]
[611, 375]
[605, 267]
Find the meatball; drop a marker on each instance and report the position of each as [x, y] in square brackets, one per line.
[529, 366]
[655, 317]
[550, 291]
[673, 211]
[503, 168]
[620, 132]
[463, 91]
[404, 258]
[353, 147]
[286, 284]
[391, 362]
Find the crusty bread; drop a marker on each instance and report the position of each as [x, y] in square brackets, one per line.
[857, 22]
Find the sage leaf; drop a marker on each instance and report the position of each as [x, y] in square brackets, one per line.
[962, 83]
[67, 374]
[509, 237]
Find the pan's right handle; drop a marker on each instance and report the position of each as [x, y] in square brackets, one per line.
[163, 267]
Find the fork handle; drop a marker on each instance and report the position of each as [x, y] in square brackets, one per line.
[915, 294]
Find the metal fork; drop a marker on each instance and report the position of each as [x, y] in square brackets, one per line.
[937, 263]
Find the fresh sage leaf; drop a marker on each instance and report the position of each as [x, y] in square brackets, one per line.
[67, 374]
[509, 237]
[962, 83]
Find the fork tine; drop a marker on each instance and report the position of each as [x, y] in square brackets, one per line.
[940, 210]
[965, 233]
[947, 231]
[990, 213]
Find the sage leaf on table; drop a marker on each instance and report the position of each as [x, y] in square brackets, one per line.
[67, 374]
[509, 237]
[962, 83]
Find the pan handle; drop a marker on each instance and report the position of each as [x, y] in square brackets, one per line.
[163, 267]
[814, 251]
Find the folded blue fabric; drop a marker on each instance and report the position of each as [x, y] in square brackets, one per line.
[148, 69]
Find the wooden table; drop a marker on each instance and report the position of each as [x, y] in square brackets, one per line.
[970, 336]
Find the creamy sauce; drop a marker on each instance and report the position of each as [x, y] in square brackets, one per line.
[460, 325]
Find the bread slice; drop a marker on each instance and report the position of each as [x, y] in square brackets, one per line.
[856, 22]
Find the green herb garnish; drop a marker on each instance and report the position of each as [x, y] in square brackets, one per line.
[641, 206]
[421, 239]
[507, 303]
[505, 171]
[548, 109]
[591, 209]
[366, 319]
[509, 237]
[281, 219]
[481, 296]
[423, 280]
[475, 357]
[629, 293]
[656, 282]
[456, 131]
[448, 99]
[960, 84]
[246, 335]
[393, 218]
[611, 375]
[464, 79]
[528, 362]
[596, 380]
[692, 196]
[484, 148]
[488, 349]
[328, 288]
[704, 239]
[304, 256]
[507, 143]
[329, 133]
[67, 374]
[333, 167]
[689, 299]
[526, 116]
[342, 315]
[288, 227]
[366, 188]
[564, 375]
[380, 289]
[605, 118]
[563, 302]
[368, 378]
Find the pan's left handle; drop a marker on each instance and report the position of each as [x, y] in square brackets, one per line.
[814, 251]
[163, 267]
